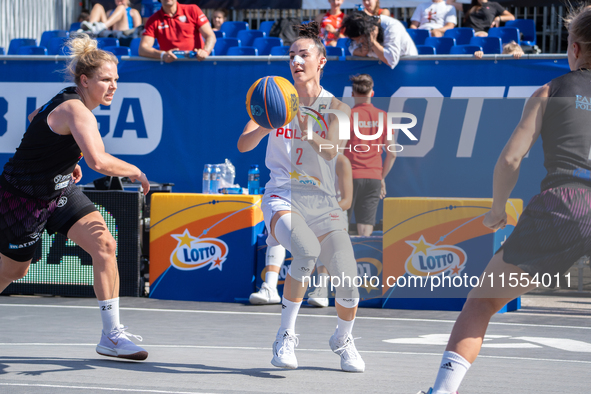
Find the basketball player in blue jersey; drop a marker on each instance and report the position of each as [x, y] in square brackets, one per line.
[38, 191]
[554, 231]
[299, 206]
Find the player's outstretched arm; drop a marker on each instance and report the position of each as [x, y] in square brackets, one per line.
[83, 127]
[251, 136]
[523, 138]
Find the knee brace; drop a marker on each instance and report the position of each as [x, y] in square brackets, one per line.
[303, 244]
[338, 257]
[275, 256]
[347, 302]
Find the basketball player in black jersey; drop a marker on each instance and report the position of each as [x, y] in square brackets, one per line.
[554, 231]
[38, 191]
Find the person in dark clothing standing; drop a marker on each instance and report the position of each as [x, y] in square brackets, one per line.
[554, 231]
[38, 191]
[484, 14]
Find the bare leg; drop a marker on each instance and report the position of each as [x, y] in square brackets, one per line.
[364, 230]
[469, 330]
[92, 235]
[11, 270]
[98, 14]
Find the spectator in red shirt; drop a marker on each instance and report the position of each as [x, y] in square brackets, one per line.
[177, 27]
[330, 23]
[369, 174]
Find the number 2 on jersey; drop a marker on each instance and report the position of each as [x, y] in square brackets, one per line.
[299, 152]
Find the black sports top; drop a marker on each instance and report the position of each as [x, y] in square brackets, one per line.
[566, 130]
[43, 163]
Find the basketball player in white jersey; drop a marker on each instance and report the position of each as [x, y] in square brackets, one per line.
[275, 256]
[300, 209]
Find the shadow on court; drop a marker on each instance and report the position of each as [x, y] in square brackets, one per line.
[69, 365]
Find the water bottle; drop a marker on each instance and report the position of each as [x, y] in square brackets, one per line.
[253, 179]
[185, 54]
[206, 179]
[216, 174]
[359, 7]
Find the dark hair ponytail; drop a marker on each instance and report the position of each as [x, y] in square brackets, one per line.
[312, 31]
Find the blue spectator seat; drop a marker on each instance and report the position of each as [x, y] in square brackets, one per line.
[419, 35]
[57, 46]
[442, 45]
[264, 44]
[266, 26]
[344, 43]
[461, 34]
[16, 43]
[232, 28]
[47, 35]
[242, 51]
[280, 51]
[75, 26]
[219, 34]
[426, 50]
[135, 45]
[506, 34]
[527, 28]
[335, 51]
[107, 42]
[118, 51]
[2, 51]
[223, 44]
[32, 50]
[489, 45]
[464, 49]
[247, 37]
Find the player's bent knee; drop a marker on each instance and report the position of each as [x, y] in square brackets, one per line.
[347, 302]
[338, 258]
[14, 272]
[488, 306]
[305, 249]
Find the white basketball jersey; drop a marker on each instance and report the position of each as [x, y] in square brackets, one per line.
[294, 164]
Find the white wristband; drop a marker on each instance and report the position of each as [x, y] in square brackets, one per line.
[162, 55]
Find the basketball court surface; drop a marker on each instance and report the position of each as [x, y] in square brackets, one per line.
[47, 345]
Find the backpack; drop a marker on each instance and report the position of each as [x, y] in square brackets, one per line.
[284, 29]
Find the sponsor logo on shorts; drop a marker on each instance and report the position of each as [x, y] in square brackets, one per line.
[62, 185]
[274, 196]
[22, 246]
[432, 259]
[193, 253]
[62, 201]
[334, 216]
[305, 269]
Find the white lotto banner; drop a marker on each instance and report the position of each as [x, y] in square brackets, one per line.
[131, 125]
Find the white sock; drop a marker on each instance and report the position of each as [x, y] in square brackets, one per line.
[289, 313]
[451, 373]
[109, 314]
[344, 329]
[273, 258]
[271, 279]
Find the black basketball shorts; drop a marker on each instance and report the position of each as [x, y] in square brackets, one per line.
[22, 220]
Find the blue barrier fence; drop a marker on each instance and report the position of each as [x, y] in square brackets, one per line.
[171, 119]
